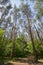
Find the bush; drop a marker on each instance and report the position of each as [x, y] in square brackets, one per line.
[2, 47]
[39, 49]
[20, 48]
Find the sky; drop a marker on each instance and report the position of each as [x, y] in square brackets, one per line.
[15, 2]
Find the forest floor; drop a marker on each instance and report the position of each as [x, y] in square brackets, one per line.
[24, 61]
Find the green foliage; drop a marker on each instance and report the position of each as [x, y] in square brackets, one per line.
[39, 8]
[21, 47]
[37, 46]
[39, 49]
[1, 33]
[8, 47]
[1, 42]
[2, 48]
[30, 48]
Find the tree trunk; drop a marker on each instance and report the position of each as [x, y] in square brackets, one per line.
[13, 43]
[31, 35]
[13, 50]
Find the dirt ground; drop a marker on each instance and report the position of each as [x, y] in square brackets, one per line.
[19, 63]
[24, 61]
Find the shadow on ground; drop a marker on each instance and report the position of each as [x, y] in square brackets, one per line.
[9, 64]
[24, 61]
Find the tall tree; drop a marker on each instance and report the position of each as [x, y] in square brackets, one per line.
[5, 7]
[39, 15]
[14, 28]
[38, 8]
[27, 13]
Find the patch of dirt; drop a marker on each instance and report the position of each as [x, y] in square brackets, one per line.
[24, 61]
[18, 63]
